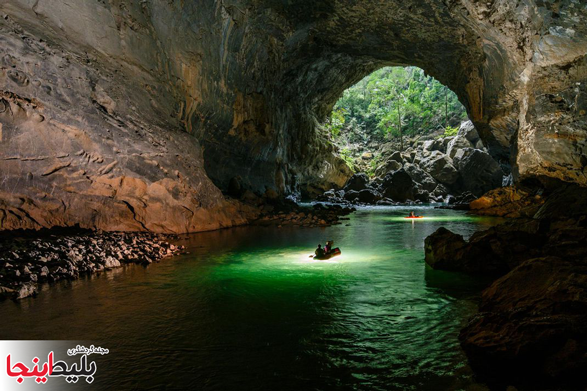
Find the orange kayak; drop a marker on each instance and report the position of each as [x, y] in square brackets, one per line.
[415, 217]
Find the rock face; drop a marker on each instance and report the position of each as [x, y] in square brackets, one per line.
[478, 171]
[440, 168]
[507, 202]
[541, 337]
[116, 114]
[530, 330]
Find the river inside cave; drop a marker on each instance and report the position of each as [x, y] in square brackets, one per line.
[248, 309]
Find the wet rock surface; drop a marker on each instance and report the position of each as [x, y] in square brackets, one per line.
[530, 329]
[29, 259]
[492, 252]
[531, 325]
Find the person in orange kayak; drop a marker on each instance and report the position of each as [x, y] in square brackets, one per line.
[413, 215]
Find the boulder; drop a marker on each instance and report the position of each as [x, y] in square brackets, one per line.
[357, 182]
[492, 252]
[398, 186]
[427, 145]
[397, 156]
[26, 290]
[445, 142]
[387, 166]
[419, 176]
[111, 263]
[433, 145]
[442, 248]
[478, 170]
[468, 131]
[368, 196]
[412, 156]
[457, 143]
[531, 325]
[440, 191]
[367, 156]
[351, 195]
[422, 196]
[385, 202]
[439, 166]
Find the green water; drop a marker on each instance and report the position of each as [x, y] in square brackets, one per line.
[248, 309]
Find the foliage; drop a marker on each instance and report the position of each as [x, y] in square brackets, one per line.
[345, 154]
[373, 165]
[395, 101]
[335, 122]
[450, 131]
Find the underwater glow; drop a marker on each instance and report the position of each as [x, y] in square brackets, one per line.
[249, 306]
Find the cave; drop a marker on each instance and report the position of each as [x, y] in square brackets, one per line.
[236, 90]
[182, 116]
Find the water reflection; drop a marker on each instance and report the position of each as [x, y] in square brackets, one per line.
[248, 309]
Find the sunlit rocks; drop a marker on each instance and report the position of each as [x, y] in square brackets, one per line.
[507, 202]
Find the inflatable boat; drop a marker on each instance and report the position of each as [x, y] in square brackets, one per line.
[335, 252]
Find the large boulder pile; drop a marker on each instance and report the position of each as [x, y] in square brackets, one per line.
[435, 170]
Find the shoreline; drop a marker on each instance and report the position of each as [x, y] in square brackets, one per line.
[28, 258]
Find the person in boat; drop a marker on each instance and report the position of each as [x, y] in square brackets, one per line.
[329, 246]
[412, 214]
[319, 251]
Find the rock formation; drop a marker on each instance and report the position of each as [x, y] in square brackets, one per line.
[425, 172]
[530, 328]
[135, 115]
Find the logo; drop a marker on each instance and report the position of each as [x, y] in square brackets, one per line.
[85, 368]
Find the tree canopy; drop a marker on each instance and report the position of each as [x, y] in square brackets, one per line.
[395, 101]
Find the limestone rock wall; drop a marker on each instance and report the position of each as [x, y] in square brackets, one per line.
[89, 128]
[125, 114]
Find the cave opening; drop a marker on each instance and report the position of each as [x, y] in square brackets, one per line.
[392, 107]
[400, 128]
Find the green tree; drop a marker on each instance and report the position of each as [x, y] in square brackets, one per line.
[394, 102]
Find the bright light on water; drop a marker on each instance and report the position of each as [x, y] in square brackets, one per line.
[249, 308]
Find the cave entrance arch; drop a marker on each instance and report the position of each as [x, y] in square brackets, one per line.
[407, 137]
[389, 110]
[492, 55]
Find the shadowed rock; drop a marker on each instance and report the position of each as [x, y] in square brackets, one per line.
[531, 324]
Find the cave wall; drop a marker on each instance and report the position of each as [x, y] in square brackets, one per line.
[133, 115]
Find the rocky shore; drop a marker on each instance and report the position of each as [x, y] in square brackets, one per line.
[530, 329]
[455, 169]
[320, 215]
[29, 258]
